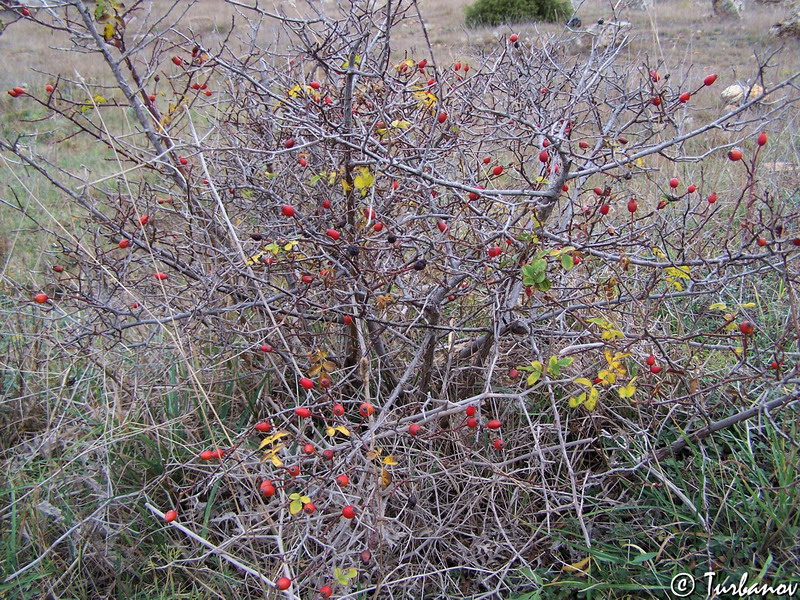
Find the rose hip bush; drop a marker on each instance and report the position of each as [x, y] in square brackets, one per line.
[393, 320]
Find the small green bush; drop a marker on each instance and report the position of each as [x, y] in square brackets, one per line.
[496, 12]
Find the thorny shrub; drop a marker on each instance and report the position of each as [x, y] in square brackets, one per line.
[473, 289]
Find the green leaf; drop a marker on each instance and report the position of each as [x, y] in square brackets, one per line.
[567, 262]
[295, 507]
[536, 372]
[644, 558]
[539, 265]
[543, 286]
[314, 179]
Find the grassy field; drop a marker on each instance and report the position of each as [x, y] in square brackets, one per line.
[98, 437]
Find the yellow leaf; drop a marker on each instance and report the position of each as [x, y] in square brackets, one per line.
[627, 391]
[390, 460]
[108, 31]
[254, 259]
[583, 381]
[718, 306]
[425, 99]
[578, 566]
[343, 430]
[272, 438]
[748, 305]
[330, 431]
[364, 180]
[295, 507]
[374, 453]
[276, 462]
[398, 124]
[573, 402]
[591, 401]
[346, 186]
[386, 478]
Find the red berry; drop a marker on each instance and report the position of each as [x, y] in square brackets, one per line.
[513, 38]
[654, 75]
[306, 383]
[775, 365]
[604, 209]
[349, 512]
[487, 160]
[691, 189]
[498, 170]
[152, 97]
[422, 64]
[498, 444]
[327, 454]
[471, 410]
[565, 188]
[13, 93]
[651, 360]
[302, 412]
[762, 241]
[287, 211]
[762, 139]
[442, 117]
[41, 298]
[576, 260]
[325, 382]
[457, 66]
[25, 12]
[494, 424]
[544, 91]
[632, 205]
[544, 156]
[309, 508]
[366, 409]
[307, 278]
[288, 143]
[212, 454]
[284, 583]
[684, 97]
[338, 410]
[333, 234]
[267, 488]
[326, 204]
[302, 162]
[294, 470]
[656, 101]
[472, 422]
[442, 226]
[673, 183]
[494, 251]
[735, 155]
[144, 220]
[377, 227]
[160, 276]
[598, 191]
[170, 516]
[265, 348]
[513, 373]
[177, 60]
[183, 160]
[661, 204]
[414, 429]
[342, 480]
[709, 80]
[712, 197]
[796, 242]
[263, 426]
[58, 268]
[655, 369]
[746, 327]
[314, 85]
[309, 449]
[325, 591]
